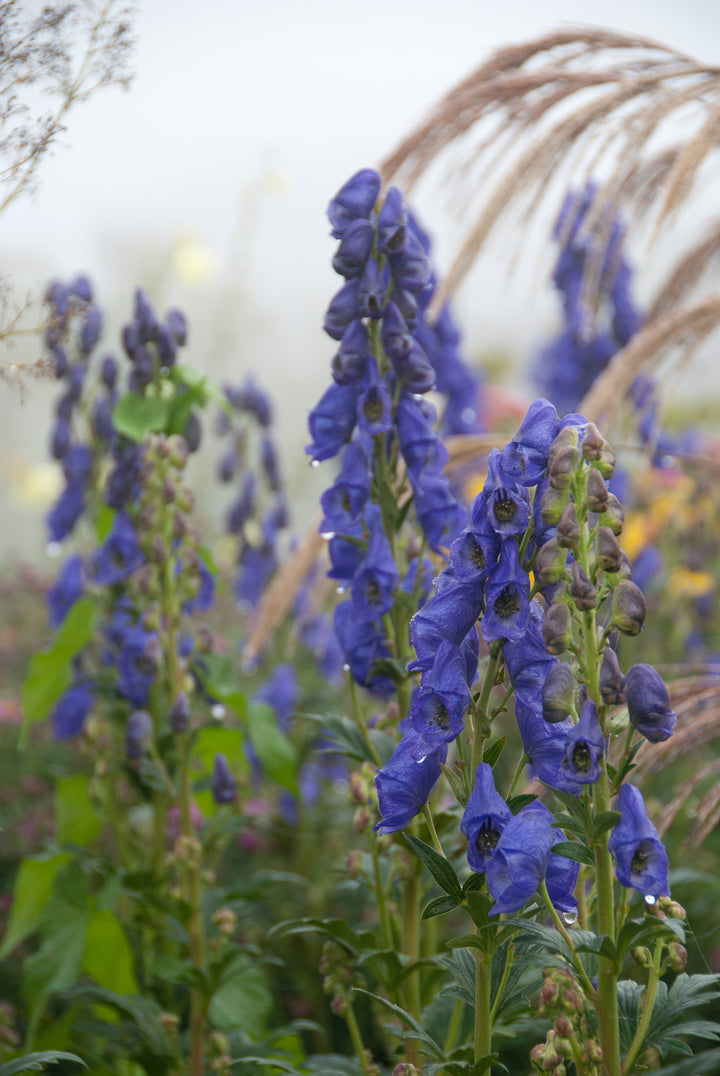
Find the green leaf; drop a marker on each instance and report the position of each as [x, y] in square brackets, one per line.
[186, 375]
[705, 1064]
[603, 822]
[493, 751]
[579, 853]
[137, 416]
[516, 803]
[439, 906]
[337, 929]
[37, 1062]
[479, 905]
[577, 809]
[413, 1030]
[50, 672]
[242, 1002]
[276, 753]
[77, 820]
[33, 886]
[108, 957]
[466, 941]
[438, 866]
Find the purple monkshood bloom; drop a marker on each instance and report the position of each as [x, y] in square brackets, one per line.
[354, 250]
[119, 555]
[137, 664]
[527, 660]
[523, 858]
[418, 581]
[68, 716]
[255, 566]
[507, 597]
[486, 816]
[344, 309]
[503, 502]
[222, 782]
[371, 293]
[332, 421]
[438, 705]
[392, 222]
[410, 363]
[648, 703]
[138, 732]
[350, 360]
[374, 411]
[409, 264]
[346, 555]
[440, 515]
[585, 747]
[66, 589]
[524, 459]
[377, 577]
[448, 614]
[641, 861]
[405, 782]
[66, 512]
[354, 200]
[474, 553]
[344, 501]
[362, 643]
[281, 692]
[421, 447]
[205, 596]
[544, 746]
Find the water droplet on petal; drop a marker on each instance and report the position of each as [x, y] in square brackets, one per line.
[314, 463]
[570, 918]
[419, 760]
[340, 590]
[417, 395]
[346, 667]
[53, 550]
[650, 899]
[218, 711]
[327, 535]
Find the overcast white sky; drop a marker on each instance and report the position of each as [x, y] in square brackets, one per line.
[244, 118]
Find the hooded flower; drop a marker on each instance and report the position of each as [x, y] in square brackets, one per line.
[119, 555]
[641, 861]
[525, 458]
[449, 614]
[66, 590]
[70, 711]
[505, 503]
[648, 703]
[405, 782]
[486, 816]
[377, 577]
[438, 706]
[507, 597]
[584, 747]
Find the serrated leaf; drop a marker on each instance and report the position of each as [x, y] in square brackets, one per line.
[413, 1029]
[337, 929]
[465, 941]
[605, 821]
[36, 1062]
[136, 416]
[574, 850]
[438, 866]
[439, 906]
[242, 1001]
[705, 1064]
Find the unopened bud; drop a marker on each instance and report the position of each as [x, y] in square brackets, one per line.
[596, 492]
[581, 589]
[563, 1026]
[178, 451]
[563, 466]
[672, 908]
[607, 547]
[552, 504]
[568, 529]
[405, 1069]
[557, 628]
[677, 956]
[353, 864]
[628, 608]
[558, 693]
[550, 563]
[362, 819]
[338, 1005]
[612, 681]
[158, 550]
[613, 515]
[642, 956]
[180, 713]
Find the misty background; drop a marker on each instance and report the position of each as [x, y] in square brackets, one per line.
[207, 183]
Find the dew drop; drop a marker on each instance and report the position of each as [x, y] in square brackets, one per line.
[13, 368]
[164, 371]
[53, 550]
[468, 415]
[570, 918]
[346, 667]
[419, 760]
[417, 395]
[340, 590]
[218, 711]
[650, 899]
[315, 463]
[327, 535]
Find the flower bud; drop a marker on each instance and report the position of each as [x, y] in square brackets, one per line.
[628, 608]
[566, 438]
[558, 693]
[596, 492]
[677, 956]
[642, 956]
[138, 732]
[613, 515]
[607, 549]
[178, 450]
[581, 589]
[612, 681]
[563, 466]
[180, 713]
[568, 529]
[222, 783]
[597, 451]
[672, 908]
[550, 563]
[557, 628]
[648, 703]
[552, 504]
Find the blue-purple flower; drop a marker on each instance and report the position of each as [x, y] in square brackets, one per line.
[507, 597]
[648, 703]
[438, 706]
[406, 780]
[119, 555]
[486, 816]
[68, 716]
[641, 861]
[585, 747]
[66, 589]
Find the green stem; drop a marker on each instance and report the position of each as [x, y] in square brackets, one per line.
[385, 921]
[607, 972]
[582, 975]
[483, 1018]
[503, 983]
[481, 716]
[648, 1004]
[433, 832]
[356, 1038]
[360, 718]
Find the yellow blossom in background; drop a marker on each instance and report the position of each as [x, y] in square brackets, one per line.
[638, 531]
[193, 260]
[35, 484]
[685, 583]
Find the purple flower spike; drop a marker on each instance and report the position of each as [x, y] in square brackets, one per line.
[344, 308]
[641, 861]
[486, 816]
[375, 403]
[354, 200]
[363, 643]
[505, 504]
[410, 363]
[371, 294]
[350, 361]
[449, 614]
[438, 706]
[648, 703]
[345, 500]
[525, 458]
[223, 784]
[585, 747]
[332, 421]
[474, 553]
[410, 265]
[70, 711]
[66, 590]
[377, 578]
[138, 733]
[405, 782]
[392, 222]
[544, 746]
[119, 555]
